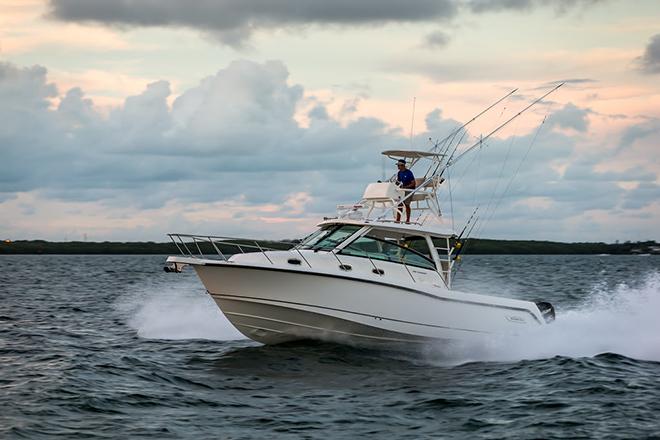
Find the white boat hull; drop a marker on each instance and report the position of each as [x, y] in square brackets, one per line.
[274, 305]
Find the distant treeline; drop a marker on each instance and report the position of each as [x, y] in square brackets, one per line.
[134, 247]
[484, 246]
[473, 246]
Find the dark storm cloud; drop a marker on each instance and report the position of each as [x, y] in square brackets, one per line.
[226, 14]
[649, 63]
[560, 6]
[233, 21]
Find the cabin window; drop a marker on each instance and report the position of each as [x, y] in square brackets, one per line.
[441, 244]
[417, 244]
[329, 237]
[386, 250]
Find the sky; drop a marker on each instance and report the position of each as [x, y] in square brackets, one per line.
[126, 120]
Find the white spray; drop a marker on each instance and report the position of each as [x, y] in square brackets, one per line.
[182, 310]
[622, 320]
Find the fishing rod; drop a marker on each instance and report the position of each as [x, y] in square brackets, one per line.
[501, 126]
[463, 245]
[448, 141]
[449, 160]
[467, 224]
[460, 140]
[453, 133]
[446, 150]
[459, 244]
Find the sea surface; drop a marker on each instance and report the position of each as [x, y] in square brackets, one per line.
[113, 347]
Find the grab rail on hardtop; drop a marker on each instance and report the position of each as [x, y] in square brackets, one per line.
[184, 242]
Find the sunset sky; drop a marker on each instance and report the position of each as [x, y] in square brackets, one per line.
[125, 120]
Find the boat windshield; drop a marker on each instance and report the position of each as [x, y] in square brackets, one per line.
[329, 237]
[387, 250]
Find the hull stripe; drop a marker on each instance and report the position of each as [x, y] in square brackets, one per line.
[381, 338]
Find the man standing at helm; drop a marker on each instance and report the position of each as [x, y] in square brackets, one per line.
[406, 180]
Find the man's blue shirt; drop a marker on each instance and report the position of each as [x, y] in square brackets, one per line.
[405, 177]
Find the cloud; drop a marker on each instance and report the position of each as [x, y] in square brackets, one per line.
[232, 143]
[24, 89]
[567, 81]
[649, 62]
[27, 122]
[560, 6]
[570, 116]
[235, 131]
[435, 123]
[637, 132]
[645, 194]
[233, 22]
[437, 39]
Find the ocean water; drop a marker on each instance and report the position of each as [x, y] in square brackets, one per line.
[113, 347]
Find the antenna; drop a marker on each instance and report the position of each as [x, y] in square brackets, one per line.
[412, 122]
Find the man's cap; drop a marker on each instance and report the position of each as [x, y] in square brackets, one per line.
[401, 162]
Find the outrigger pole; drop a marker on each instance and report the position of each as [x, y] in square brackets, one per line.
[449, 139]
[451, 136]
[453, 133]
[501, 126]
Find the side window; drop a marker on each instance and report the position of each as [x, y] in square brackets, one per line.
[418, 244]
[368, 247]
[415, 259]
[377, 249]
[441, 243]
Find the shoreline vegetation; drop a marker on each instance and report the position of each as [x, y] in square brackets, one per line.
[473, 247]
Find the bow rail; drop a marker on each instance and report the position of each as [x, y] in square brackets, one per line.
[220, 248]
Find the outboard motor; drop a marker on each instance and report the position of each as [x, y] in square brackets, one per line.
[547, 311]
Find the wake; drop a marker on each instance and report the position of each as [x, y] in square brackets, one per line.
[623, 320]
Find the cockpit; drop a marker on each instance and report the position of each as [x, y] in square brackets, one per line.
[379, 244]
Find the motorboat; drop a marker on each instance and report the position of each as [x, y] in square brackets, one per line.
[361, 278]
[368, 275]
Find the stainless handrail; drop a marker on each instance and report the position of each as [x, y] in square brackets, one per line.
[215, 240]
[241, 244]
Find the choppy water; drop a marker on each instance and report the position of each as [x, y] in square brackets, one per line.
[111, 346]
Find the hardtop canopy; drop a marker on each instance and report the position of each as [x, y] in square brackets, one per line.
[434, 230]
[412, 154]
